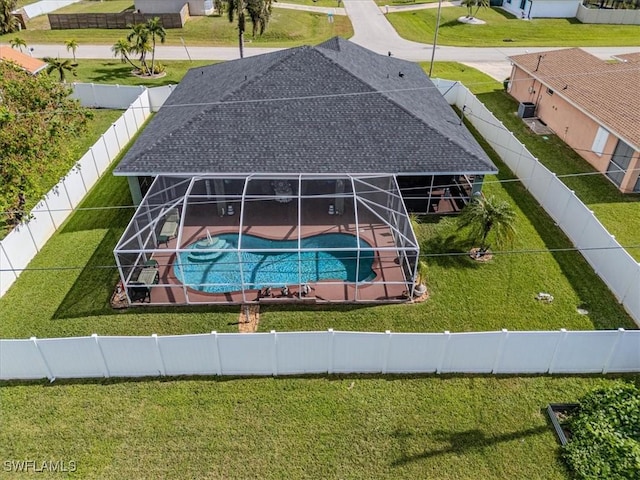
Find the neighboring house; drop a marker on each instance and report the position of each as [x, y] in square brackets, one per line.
[292, 146]
[26, 62]
[542, 8]
[592, 104]
[196, 7]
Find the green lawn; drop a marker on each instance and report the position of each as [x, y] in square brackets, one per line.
[116, 72]
[315, 3]
[448, 427]
[618, 212]
[93, 6]
[287, 28]
[465, 296]
[444, 427]
[504, 30]
[399, 3]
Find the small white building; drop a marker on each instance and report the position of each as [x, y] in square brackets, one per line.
[196, 7]
[541, 8]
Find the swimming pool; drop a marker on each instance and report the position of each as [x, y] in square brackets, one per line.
[220, 272]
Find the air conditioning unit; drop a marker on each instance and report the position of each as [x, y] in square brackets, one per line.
[526, 109]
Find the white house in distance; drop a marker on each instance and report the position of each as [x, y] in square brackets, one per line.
[541, 8]
[196, 7]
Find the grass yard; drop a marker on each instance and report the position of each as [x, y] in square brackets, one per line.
[504, 30]
[618, 212]
[324, 427]
[400, 3]
[314, 3]
[465, 296]
[116, 72]
[287, 28]
[92, 6]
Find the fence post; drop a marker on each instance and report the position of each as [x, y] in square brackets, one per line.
[561, 338]
[214, 336]
[44, 360]
[274, 354]
[447, 334]
[502, 341]
[105, 368]
[330, 351]
[614, 347]
[159, 359]
[385, 354]
[115, 133]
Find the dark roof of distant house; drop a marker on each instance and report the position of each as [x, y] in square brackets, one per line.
[26, 62]
[333, 108]
[604, 90]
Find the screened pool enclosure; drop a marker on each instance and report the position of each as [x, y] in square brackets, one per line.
[269, 238]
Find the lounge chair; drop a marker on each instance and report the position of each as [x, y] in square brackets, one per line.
[139, 289]
[170, 226]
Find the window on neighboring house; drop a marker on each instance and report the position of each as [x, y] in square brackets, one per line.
[600, 141]
[637, 187]
[619, 162]
[549, 91]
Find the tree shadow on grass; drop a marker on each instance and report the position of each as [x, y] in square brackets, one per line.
[122, 75]
[458, 443]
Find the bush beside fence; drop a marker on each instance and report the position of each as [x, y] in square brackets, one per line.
[19, 247]
[301, 353]
[612, 263]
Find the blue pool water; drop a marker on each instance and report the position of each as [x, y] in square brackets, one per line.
[271, 269]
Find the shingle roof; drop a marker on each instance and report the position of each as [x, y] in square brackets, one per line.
[336, 107]
[30, 64]
[607, 91]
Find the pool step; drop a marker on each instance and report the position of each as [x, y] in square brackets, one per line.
[208, 251]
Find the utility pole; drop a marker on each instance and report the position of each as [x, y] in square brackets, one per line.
[435, 37]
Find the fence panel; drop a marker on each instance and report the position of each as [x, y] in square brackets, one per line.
[626, 357]
[7, 274]
[527, 352]
[242, 354]
[358, 352]
[111, 143]
[88, 170]
[158, 95]
[20, 359]
[471, 352]
[41, 226]
[302, 352]
[540, 182]
[189, 354]
[584, 352]
[20, 249]
[72, 357]
[556, 198]
[575, 219]
[74, 187]
[415, 352]
[131, 356]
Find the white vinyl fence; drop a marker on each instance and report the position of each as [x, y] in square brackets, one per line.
[298, 353]
[608, 15]
[609, 259]
[19, 247]
[45, 6]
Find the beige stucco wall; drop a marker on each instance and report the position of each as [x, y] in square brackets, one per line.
[574, 127]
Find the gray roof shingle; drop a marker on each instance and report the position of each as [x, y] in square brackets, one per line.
[333, 108]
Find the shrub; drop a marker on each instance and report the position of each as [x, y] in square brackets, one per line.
[605, 441]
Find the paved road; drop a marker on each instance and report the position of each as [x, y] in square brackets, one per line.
[371, 30]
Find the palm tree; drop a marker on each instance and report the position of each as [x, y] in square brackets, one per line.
[72, 45]
[139, 43]
[18, 43]
[474, 3]
[8, 22]
[155, 28]
[484, 215]
[60, 66]
[259, 12]
[122, 49]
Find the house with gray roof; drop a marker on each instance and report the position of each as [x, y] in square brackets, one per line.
[290, 146]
